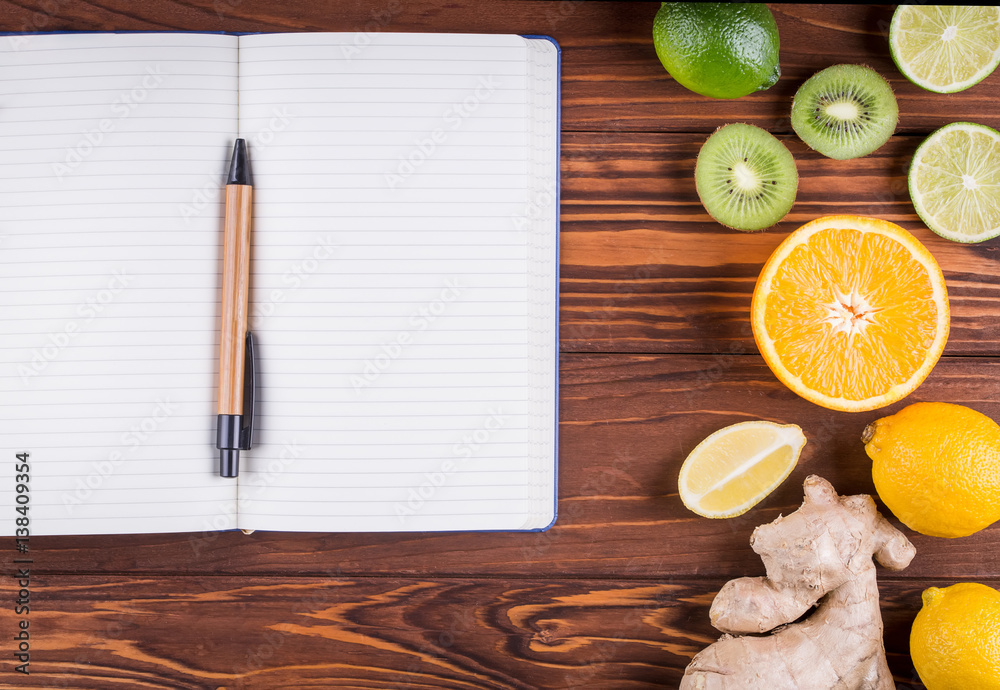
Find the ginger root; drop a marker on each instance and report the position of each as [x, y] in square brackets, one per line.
[822, 550]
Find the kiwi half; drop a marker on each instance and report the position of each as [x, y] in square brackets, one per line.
[845, 111]
[746, 178]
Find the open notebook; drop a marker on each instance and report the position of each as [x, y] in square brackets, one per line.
[403, 280]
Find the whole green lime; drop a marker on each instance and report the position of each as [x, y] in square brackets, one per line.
[718, 49]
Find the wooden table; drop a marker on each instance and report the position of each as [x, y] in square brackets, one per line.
[656, 352]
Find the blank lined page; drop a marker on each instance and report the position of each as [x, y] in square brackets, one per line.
[113, 148]
[395, 287]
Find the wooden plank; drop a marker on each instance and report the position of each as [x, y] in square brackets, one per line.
[617, 594]
[612, 79]
[627, 423]
[623, 73]
[644, 268]
[292, 632]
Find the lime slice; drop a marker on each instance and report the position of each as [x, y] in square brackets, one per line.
[955, 182]
[735, 468]
[945, 48]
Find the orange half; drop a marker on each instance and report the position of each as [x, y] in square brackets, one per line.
[851, 312]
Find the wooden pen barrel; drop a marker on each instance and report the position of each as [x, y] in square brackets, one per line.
[235, 293]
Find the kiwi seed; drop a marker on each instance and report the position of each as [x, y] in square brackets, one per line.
[845, 111]
[746, 178]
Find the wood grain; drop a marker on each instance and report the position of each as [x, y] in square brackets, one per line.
[269, 633]
[235, 290]
[621, 70]
[656, 354]
[626, 425]
[646, 269]
[612, 79]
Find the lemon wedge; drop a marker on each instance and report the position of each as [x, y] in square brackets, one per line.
[735, 468]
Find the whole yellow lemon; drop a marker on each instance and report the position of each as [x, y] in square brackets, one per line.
[955, 638]
[936, 466]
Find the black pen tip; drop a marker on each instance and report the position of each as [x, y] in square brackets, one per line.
[229, 462]
[239, 169]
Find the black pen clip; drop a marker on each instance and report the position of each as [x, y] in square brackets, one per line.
[249, 394]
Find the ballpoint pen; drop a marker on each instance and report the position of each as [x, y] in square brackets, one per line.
[236, 346]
